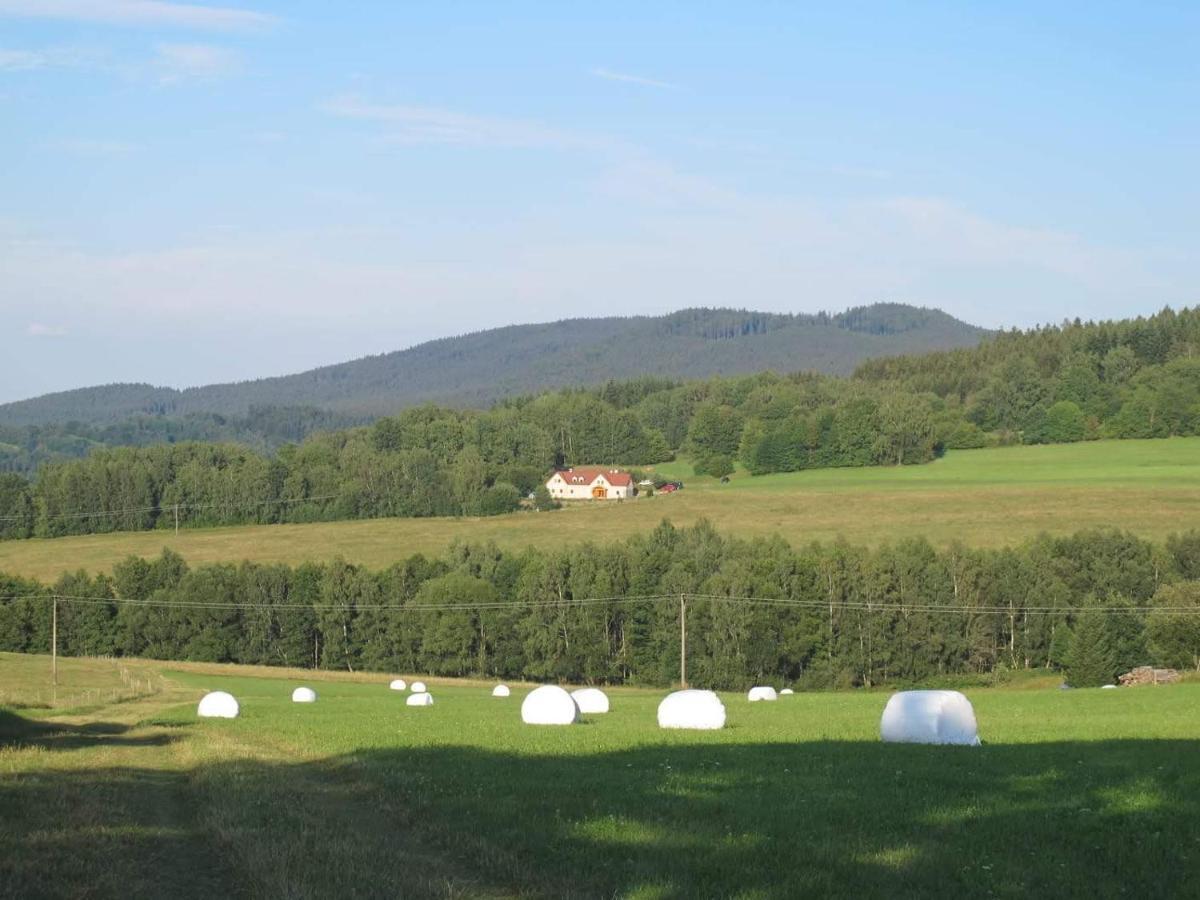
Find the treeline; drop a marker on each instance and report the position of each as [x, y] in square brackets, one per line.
[1096, 604]
[423, 462]
[1080, 381]
[1137, 378]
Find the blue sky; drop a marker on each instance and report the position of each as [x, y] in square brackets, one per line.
[196, 193]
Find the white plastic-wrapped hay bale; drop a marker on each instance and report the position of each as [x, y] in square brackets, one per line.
[761, 693]
[702, 710]
[399, 685]
[422, 698]
[786, 692]
[549, 705]
[501, 690]
[591, 700]
[929, 717]
[418, 687]
[1108, 687]
[218, 705]
[304, 695]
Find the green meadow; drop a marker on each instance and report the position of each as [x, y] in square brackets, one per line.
[1074, 793]
[991, 497]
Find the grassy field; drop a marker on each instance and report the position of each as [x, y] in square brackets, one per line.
[1074, 794]
[983, 497]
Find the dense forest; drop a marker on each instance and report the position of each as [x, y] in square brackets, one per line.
[1137, 378]
[1133, 379]
[23, 448]
[476, 370]
[1095, 604]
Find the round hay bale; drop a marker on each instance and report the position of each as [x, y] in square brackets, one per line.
[761, 693]
[423, 698]
[304, 695]
[501, 690]
[418, 687]
[1108, 687]
[549, 705]
[929, 717]
[399, 685]
[591, 700]
[786, 692]
[701, 710]
[218, 705]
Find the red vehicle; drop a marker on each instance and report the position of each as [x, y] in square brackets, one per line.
[668, 489]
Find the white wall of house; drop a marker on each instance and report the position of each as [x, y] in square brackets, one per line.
[575, 486]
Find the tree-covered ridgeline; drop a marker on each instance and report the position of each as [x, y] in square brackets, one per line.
[24, 448]
[1133, 379]
[1096, 603]
[475, 370]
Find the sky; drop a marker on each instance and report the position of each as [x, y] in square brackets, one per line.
[199, 193]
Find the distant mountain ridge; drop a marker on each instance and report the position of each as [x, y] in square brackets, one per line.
[477, 369]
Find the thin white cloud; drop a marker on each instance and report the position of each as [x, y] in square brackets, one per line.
[147, 13]
[610, 75]
[40, 329]
[658, 236]
[16, 60]
[429, 125]
[21, 60]
[200, 62]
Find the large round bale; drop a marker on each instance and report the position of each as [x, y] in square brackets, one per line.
[501, 690]
[218, 705]
[591, 700]
[702, 710]
[418, 687]
[423, 698]
[929, 717]
[761, 693]
[549, 705]
[399, 685]
[304, 695]
[786, 692]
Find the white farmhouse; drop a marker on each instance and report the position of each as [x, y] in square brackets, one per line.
[590, 483]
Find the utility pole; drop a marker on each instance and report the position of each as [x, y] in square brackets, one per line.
[176, 520]
[54, 640]
[682, 641]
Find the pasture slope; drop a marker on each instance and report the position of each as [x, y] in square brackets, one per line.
[1084, 793]
[991, 497]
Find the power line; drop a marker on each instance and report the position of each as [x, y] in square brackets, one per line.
[892, 607]
[823, 605]
[204, 604]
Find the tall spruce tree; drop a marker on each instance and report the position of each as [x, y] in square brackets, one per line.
[1092, 661]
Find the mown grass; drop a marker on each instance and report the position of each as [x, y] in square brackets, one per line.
[1074, 793]
[991, 497]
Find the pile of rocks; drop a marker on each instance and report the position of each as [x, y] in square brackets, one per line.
[1149, 675]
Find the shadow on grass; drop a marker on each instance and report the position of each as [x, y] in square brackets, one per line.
[672, 820]
[18, 731]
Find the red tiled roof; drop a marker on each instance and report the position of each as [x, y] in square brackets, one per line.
[615, 477]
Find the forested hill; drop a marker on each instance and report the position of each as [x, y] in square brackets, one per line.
[474, 370]
[1138, 378]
